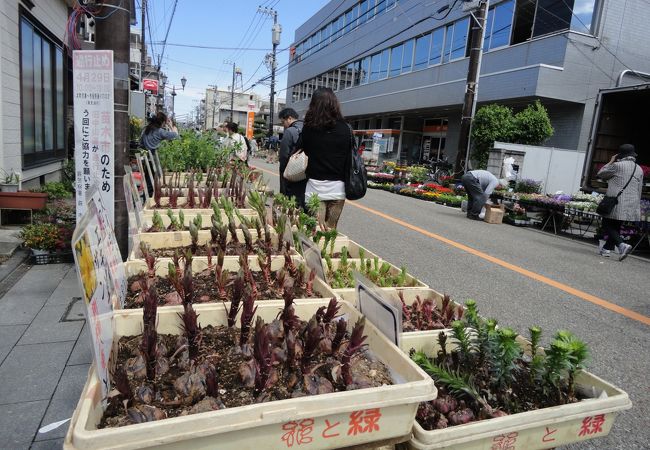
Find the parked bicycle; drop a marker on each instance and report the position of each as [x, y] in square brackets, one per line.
[438, 169]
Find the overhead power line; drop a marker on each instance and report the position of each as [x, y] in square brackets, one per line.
[169, 26]
[210, 47]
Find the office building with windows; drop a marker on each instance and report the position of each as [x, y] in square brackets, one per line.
[399, 67]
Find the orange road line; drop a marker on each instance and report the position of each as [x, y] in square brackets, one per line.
[520, 270]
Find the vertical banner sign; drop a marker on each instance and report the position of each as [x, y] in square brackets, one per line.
[94, 126]
[250, 120]
[102, 279]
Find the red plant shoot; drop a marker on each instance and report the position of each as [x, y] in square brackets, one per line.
[356, 343]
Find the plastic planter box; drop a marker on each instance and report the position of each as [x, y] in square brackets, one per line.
[200, 264]
[543, 428]
[182, 204]
[330, 420]
[148, 213]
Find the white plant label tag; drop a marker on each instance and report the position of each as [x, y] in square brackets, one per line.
[311, 253]
[379, 308]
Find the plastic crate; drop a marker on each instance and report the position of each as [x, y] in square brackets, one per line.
[52, 258]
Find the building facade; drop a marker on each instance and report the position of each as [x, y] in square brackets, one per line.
[399, 67]
[34, 84]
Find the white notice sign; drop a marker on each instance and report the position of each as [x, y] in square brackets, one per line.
[94, 126]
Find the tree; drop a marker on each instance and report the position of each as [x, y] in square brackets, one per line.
[259, 128]
[491, 123]
[532, 125]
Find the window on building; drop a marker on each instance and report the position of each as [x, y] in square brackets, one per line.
[383, 71]
[552, 16]
[396, 60]
[363, 12]
[316, 41]
[364, 70]
[325, 35]
[456, 40]
[351, 19]
[584, 16]
[421, 57]
[334, 25]
[42, 96]
[407, 59]
[390, 4]
[350, 74]
[437, 42]
[381, 6]
[523, 21]
[375, 67]
[498, 25]
[371, 8]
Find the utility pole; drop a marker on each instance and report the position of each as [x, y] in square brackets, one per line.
[143, 55]
[275, 40]
[214, 103]
[471, 90]
[232, 90]
[113, 34]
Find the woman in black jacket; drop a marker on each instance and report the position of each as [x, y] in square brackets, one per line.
[326, 140]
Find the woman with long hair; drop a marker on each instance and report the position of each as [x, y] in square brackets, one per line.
[326, 140]
[155, 132]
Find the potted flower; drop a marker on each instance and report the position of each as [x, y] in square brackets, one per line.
[10, 181]
[41, 238]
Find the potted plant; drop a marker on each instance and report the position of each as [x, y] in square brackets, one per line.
[41, 238]
[10, 181]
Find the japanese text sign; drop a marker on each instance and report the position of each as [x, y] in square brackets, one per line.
[93, 126]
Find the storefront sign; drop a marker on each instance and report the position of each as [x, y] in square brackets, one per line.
[94, 126]
[103, 281]
[150, 85]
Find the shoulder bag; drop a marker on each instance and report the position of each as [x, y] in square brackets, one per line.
[608, 203]
[356, 178]
[297, 164]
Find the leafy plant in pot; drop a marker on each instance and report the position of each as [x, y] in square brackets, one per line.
[10, 181]
[42, 238]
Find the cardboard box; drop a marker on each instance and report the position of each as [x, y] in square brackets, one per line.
[494, 213]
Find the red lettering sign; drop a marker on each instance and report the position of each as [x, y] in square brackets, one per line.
[150, 85]
[592, 425]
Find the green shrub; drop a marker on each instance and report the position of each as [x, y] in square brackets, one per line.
[491, 123]
[532, 126]
[55, 190]
[191, 151]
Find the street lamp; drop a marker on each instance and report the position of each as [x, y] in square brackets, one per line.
[173, 99]
[183, 81]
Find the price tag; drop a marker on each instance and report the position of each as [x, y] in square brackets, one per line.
[380, 309]
[311, 253]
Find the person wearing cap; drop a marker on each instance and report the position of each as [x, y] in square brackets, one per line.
[620, 171]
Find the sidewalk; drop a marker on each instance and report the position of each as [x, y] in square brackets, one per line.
[45, 355]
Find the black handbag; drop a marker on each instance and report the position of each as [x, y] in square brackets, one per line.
[356, 179]
[608, 203]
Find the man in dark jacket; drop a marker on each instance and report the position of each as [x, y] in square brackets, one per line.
[288, 146]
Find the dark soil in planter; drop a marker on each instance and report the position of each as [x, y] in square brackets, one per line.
[232, 249]
[205, 289]
[180, 387]
[424, 315]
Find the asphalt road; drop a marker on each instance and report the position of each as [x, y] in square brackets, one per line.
[522, 277]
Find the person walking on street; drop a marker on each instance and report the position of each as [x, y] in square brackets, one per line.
[479, 184]
[236, 141]
[288, 146]
[326, 139]
[623, 176]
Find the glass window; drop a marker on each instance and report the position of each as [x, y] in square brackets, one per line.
[390, 4]
[363, 12]
[456, 40]
[42, 96]
[488, 30]
[350, 74]
[396, 60]
[371, 8]
[383, 71]
[375, 67]
[365, 70]
[502, 24]
[357, 72]
[315, 41]
[421, 52]
[583, 16]
[334, 25]
[381, 6]
[407, 59]
[340, 21]
[437, 41]
[348, 22]
[552, 16]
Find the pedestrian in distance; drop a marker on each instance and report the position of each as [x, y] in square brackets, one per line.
[326, 140]
[288, 146]
[479, 184]
[236, 141]
[625, 181]
[160, 128]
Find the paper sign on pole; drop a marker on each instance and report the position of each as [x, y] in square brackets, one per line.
[94, 126]
[311, 253]
[101, 274]
[250, 120]
[379, 308]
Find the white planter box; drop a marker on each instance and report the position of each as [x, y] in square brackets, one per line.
[543, 428]
[413, 282]
[261, 426]
[352, 247]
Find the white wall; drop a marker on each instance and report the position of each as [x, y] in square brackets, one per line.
[559, 169]
[53, 15]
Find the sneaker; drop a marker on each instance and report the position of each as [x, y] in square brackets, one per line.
[606, 253]
[624, 250]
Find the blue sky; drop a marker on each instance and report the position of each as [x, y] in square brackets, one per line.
[221, 23]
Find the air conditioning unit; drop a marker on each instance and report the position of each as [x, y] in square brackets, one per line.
[471, 5]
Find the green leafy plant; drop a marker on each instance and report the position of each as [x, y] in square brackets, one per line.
[55, 190]
[532, 125]
[491, 123]
[41, 236]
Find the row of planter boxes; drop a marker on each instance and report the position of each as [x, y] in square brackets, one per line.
[265, 425]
